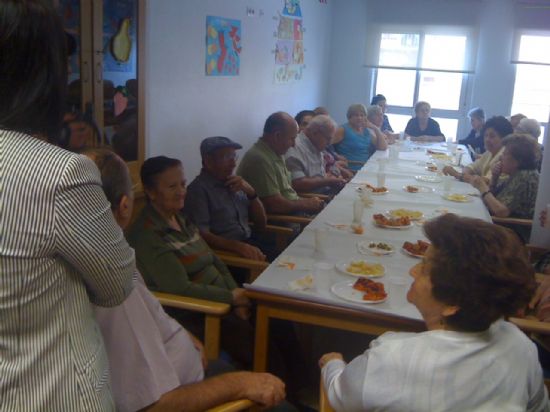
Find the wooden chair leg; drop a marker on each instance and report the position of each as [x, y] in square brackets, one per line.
[212, 336]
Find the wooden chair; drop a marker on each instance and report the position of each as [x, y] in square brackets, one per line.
[239, 405]
[326, 198]
[512, 221]
[324, 404]
[289, 219]
[213, 312]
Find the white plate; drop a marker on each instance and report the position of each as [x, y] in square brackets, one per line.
[411, 254]
[429, 179]
[466, 199]
[342, 268]
[421, 189]
[393, 227]
[369, 191]
[344, 290]
[364, 248]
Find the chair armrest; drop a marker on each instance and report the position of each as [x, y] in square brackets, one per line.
[301, 220]
[326, 198]
[196, 305]
[279, 230]
[239, 405]
[531, 325]
[255, 267]
[512, 221]
[324, 404]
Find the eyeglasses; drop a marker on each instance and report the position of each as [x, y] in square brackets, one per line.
[229, 156]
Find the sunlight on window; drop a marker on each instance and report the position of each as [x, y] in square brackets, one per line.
[398, 122]
[441, 90]
[397, 86]
[448, 127]
[444, 52]
[531, 47]
[532, 91]
[400, 50]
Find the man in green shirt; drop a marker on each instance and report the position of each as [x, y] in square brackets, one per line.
[263, 166]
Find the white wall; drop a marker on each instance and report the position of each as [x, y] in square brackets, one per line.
[183, 105]
[492, 83]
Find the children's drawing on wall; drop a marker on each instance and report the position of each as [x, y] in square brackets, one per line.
[223, 46]
[119, 36]
[289, 48]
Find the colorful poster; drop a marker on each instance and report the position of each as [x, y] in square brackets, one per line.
[292, 8]
[120, 20]
[223, 46]
[289, 47]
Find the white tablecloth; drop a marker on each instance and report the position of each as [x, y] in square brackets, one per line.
[341, 245]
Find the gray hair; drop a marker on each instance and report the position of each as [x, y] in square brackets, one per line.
[529, 126]
[321, 123]
[421, 103]
[372, 110]
[115, 177]
[356, 108]
[477, 112]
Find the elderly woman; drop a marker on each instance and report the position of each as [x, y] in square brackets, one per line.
[463, 300]
[375, 115]
[495, 129]
[528, 126]
[422, 128]
[354, 141]
[380, 100]
[60, 248]
[173, 258]
[514, 196]
[475, 138]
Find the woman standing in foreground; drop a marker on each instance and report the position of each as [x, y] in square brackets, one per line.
[60, 247]
[473, 275]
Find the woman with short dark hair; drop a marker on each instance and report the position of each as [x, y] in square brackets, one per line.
[473, 275]
[422, 128]
[60, 247]
[515, 195]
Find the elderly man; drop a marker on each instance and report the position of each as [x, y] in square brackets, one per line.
[220, 203]
[155, 363]
[375, 121]
[306, 163]
[264, 168]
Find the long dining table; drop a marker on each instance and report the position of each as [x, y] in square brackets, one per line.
[327, 245]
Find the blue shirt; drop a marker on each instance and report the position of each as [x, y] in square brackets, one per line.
[355, 146]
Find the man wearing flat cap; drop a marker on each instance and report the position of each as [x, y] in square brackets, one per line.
[221, 203]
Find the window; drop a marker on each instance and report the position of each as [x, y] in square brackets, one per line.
[423, 66]
[532, 88]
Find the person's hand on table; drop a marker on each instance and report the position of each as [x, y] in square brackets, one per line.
[450, 171]
[480, 184]
[313, 204]
[543, 287]
[327, 357]
[336, 181]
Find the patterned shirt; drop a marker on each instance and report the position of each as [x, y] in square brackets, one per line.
[178, 262]
[519, 193]
[266, 172]
[213, 207]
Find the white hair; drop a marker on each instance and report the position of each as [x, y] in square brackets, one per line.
[322, 123]
[529, 126]
[372, 110]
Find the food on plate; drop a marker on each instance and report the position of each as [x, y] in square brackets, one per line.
[357, 229]
[371, 290]
[457, 197]
[302, 283]
[411, 189]
[417, 249]
[380, 246]
[382, 220]
[360, 267]
[411, 214]
[373, 189]
[431, 167]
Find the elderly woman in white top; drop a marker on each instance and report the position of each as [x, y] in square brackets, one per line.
[469, 358]
[495, 129]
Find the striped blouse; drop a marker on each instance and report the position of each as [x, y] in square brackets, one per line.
[60, 248]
